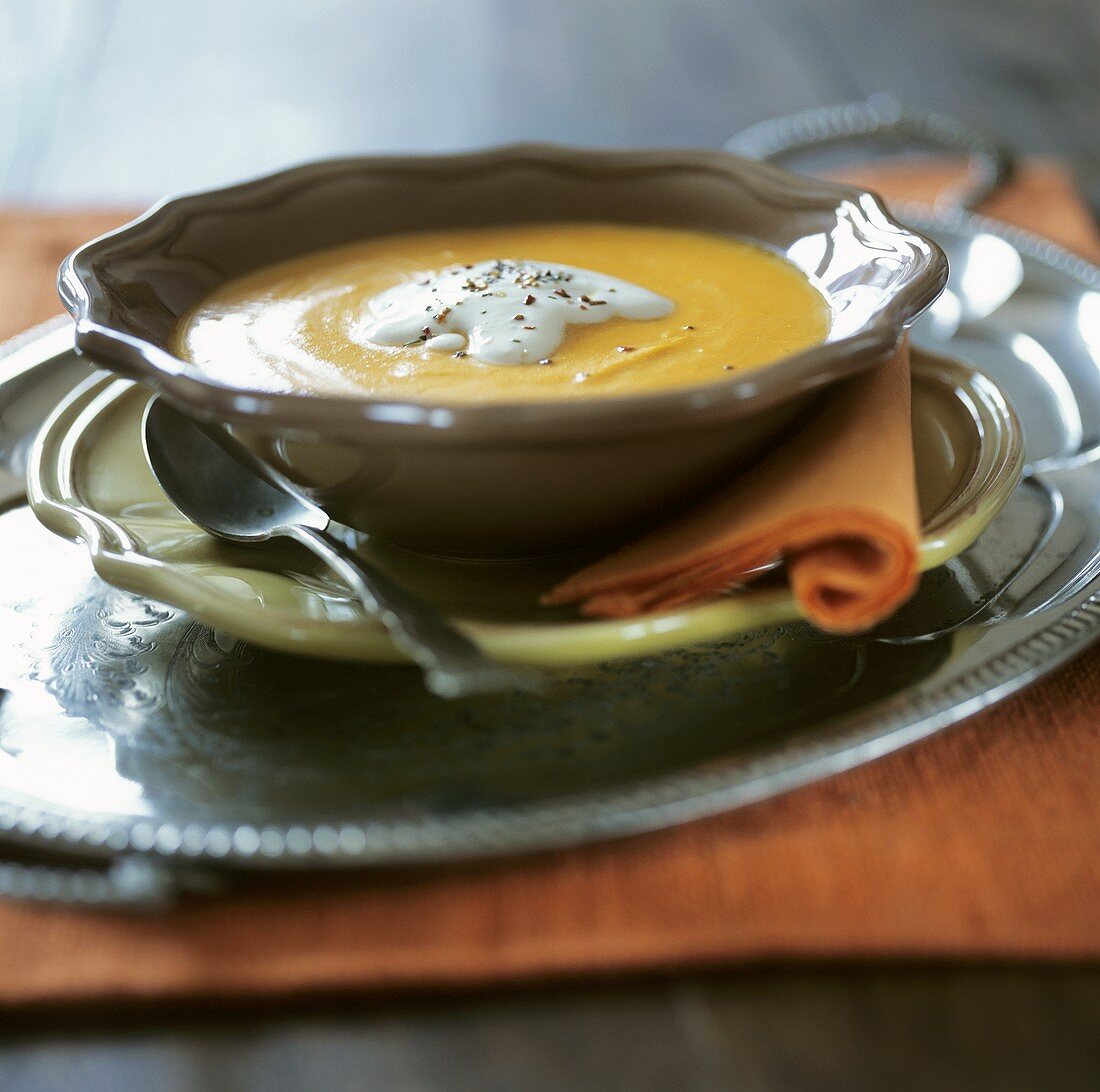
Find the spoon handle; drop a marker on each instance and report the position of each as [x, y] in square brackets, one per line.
[453, 666]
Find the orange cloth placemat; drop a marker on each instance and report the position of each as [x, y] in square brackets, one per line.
[982, 842]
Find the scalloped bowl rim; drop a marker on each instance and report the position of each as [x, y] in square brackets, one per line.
[733, 397]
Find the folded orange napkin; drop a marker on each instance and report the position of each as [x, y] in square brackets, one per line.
[837, 502]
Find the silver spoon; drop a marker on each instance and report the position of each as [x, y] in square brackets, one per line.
[218, 484]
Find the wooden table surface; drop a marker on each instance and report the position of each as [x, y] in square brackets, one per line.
[117, 101]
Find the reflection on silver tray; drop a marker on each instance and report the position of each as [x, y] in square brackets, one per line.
[129, 726]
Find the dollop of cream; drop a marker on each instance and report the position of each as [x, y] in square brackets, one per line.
[505, 311]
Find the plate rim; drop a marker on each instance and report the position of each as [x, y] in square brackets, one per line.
[118, 559]
[650, 805]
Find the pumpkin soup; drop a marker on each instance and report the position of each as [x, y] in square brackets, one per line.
[517, 313]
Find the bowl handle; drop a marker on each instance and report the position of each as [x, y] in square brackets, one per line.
[881, 119]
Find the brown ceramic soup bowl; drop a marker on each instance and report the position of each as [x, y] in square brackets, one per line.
[502, 479]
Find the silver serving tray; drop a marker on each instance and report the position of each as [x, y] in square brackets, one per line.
[166, 752]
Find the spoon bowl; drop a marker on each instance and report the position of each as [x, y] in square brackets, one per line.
[218, 484]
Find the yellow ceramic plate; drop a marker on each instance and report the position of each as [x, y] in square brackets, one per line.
[89, 481]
